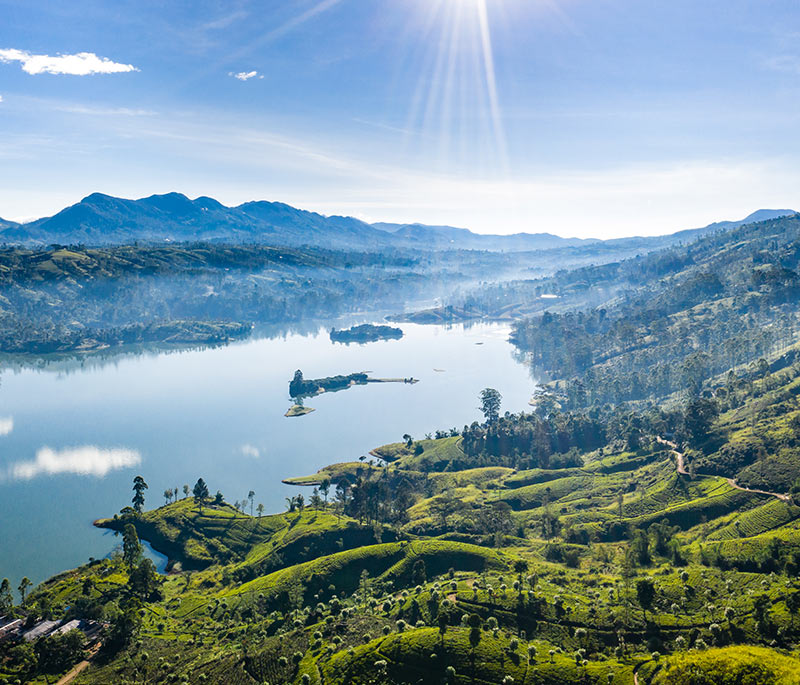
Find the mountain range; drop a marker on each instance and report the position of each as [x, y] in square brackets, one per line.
[105, 220]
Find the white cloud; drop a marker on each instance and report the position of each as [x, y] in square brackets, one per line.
[251, 451]
[80, 64]
[1, 98]
[245, 75]
[6, 425]
[85, 461]
[106, 111]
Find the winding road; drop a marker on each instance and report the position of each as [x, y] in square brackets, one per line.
[681, 468]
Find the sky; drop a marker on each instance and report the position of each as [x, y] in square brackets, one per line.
[587, 118]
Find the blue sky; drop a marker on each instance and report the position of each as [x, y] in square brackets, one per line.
[578, 117]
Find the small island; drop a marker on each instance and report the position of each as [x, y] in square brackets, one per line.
[300, 387]
[366, 333]
[298, 410]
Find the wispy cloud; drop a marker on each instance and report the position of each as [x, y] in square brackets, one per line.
[6, 425]
[251, 451]
[106, 111]
[87, 460]
[785, 63]
[244, 75]
[80, 64]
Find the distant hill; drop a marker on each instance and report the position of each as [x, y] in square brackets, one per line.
[105, 220]
[447, 237]
[101, 219]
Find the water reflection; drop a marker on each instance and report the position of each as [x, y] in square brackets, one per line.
[87, 460]
[251, 451]
[6, 425]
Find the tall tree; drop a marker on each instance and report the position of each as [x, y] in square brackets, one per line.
[200, 493]
[139, 486]
[250, 496]
[6, 600]
[24, 584]
[324, 488]
[491, 400]
[131, 547]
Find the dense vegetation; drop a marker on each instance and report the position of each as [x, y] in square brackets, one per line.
[678, 317]
[640, 524]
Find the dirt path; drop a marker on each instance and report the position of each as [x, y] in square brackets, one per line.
[80, 667]
[681, 468]
[74, 673]
[780, 496]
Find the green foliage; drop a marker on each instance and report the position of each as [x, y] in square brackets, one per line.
[730, 666]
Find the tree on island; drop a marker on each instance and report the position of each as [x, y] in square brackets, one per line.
[24, 584]
[490, 404]
[200, 493]
[139, 486]
[296, 384]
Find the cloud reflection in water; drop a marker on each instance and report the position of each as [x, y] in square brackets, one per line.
[87, 460]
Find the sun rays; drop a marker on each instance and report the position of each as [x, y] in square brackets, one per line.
[456, 101]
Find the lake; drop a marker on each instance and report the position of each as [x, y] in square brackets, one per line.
[74, 434]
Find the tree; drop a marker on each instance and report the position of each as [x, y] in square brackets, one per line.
[6, 600]
[58, 652]
[250, 496]
[418, 572]
[185, 491]
[167, 495]
[260, 509]
[490, 404]
[24, 584]
[324, 488]
[200, 493]
[442, 619]
[645, 594]
[143, 580]
[698, 418]
[219, 500]
[139, 486]
[131, 547]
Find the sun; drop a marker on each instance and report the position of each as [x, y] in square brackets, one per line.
[457, 99]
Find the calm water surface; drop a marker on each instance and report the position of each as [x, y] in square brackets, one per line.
[73, 436]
